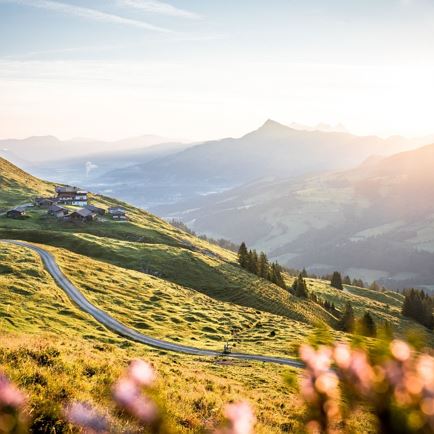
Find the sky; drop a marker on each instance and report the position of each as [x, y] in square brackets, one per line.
[205, 69]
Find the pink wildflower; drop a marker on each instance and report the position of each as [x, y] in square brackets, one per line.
[83, 415]
[127, 395]
[400, 350]
[240, 417]
[10, 396]
[141, 372]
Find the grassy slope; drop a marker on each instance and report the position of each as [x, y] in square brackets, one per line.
[150, 245]
[146, 303]
[56, 353]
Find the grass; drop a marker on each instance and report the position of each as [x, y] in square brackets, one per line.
[146, 303]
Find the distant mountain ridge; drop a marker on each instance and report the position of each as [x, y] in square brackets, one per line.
[273, 150]
[38, 149]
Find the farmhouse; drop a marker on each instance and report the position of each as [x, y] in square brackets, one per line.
[58, 211]
[18, 212]
[95, 209]
[118, 213]
[67, 195]
[44, 202]
[83, 215]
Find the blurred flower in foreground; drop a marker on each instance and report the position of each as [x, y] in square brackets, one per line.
[86, 417]
[319, 388]
[127, 392]
[399, 388]
[240, 417]
[141, 373]
[10, 396]
[12, 403]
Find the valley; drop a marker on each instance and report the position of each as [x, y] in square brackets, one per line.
[171, 288]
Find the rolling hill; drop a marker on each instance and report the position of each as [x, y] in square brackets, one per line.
[373, 222]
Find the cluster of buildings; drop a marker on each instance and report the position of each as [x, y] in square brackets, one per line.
[72, 197]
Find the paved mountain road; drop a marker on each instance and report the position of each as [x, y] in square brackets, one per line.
[103, 318]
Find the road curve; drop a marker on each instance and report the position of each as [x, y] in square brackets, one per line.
[105, 319]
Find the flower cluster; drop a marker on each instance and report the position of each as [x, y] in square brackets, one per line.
[12, 403]
[399, 388]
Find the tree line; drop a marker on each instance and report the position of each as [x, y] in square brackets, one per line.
[259, 264]
[419, 306]
[347, 321]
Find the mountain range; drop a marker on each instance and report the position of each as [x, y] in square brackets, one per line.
[374, 222]
[273, 150]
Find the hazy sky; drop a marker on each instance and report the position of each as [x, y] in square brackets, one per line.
[197, 69]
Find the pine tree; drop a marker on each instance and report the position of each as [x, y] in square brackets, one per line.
[304, 273]
[368, 325]
[347, 280]
[252, 261]
[275, 275]
[300, 287]
[336, 280]
[347, 321]
[263, 266]
[243, 255]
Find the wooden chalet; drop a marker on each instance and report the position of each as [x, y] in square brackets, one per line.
[83, 215]
[67, 195]
[58, 211]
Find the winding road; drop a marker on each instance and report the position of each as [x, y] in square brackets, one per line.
[103, 318]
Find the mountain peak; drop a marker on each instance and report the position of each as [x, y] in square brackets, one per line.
[270, 124]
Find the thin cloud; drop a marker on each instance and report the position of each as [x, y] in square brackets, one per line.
[159, 7]
[39, 53]
[90, 14]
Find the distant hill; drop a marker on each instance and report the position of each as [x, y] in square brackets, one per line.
[273, 150]
[374, 222]
[86, 169]
[48, 148]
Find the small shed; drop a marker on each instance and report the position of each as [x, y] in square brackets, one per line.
[44, 202]
[83, 214]
[117, 213]
[58, 211]
[18, 212]
[95, 209]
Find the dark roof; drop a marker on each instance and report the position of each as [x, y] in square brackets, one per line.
[94, 208]
[69, 189]
[18, 209]
[57, 208]
[83, 212]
